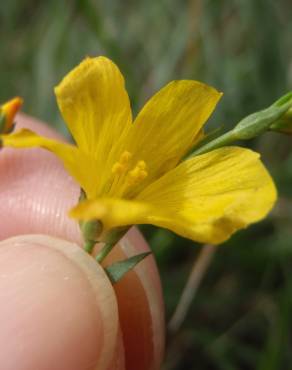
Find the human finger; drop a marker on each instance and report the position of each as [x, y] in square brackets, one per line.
[58, 309]
[35, 195]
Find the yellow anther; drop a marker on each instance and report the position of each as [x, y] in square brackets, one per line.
[142, 175]
[125, 157]
[141, 165]
[122, 165]
[118, 168]
[138, 174]
[134, 173]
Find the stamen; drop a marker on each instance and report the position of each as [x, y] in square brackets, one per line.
[138, 174]
[125, 157]
[118, 169]
[122, 165]
[141, 165]
[123, 178]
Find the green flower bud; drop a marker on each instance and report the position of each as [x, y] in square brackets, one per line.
[278, 116]
[285, 124]
[7, 114]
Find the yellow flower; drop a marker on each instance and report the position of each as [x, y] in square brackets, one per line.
[7, 114]
[133, 173]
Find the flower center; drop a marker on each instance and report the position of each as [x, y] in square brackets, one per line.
[126, 175]
[138, 173]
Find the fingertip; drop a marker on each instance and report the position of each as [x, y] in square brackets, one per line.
[35, 190]
[58, 309]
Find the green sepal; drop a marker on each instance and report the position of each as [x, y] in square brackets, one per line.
[91, 229]
[117, 270]
[283, 126]
[2, 123]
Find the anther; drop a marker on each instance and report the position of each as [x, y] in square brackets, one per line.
[122, 164]
[125, 157]
[118, 168]
[138, 174]
[141, 165]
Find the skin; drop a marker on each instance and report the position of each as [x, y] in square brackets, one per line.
[58, 310]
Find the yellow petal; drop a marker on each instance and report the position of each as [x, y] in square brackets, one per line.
[95, 105]
[206, 198]
[169, 124]
[113, 212]
[78, 164]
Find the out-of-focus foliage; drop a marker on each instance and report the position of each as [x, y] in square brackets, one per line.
[242, 315]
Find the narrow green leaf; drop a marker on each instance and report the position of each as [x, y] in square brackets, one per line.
[117, 270]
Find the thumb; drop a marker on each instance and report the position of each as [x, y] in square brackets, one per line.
[58, 310]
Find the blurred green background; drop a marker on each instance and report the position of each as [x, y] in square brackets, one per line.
[241, 317]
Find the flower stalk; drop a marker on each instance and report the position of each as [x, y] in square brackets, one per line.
[111, 240]
[89, 246]
[90, 231]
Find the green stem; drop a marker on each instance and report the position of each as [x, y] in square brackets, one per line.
[113, 238]
[89, 245]
[105, 251]
[226, 139]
